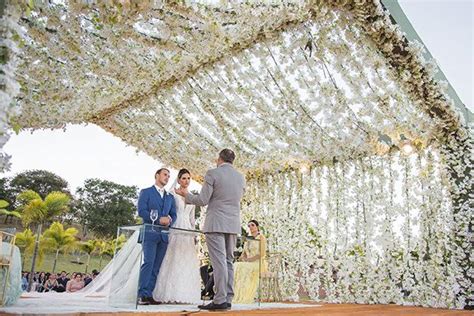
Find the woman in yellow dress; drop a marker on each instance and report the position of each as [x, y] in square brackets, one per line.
[251, 263]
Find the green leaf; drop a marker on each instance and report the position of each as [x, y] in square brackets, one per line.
[27, 196]
[4, 204]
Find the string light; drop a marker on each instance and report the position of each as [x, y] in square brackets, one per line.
[304, 169]
[405, 145]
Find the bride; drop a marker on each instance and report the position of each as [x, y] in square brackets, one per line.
[178, 280]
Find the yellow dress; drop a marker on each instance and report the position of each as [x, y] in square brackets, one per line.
[246, 274]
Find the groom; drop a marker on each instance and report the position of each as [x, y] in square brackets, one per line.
[222, 190]
[155, 240]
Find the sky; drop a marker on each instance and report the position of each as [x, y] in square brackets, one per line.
[446, 27]
[87, 151]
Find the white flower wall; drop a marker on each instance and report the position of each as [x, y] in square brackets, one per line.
[9, 87]
[374, 230]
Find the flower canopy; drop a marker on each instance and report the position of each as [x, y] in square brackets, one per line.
[304, 82]
[290, 86]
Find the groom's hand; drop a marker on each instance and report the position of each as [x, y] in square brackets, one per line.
[165, 221]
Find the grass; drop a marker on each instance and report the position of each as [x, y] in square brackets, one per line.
[66, 262]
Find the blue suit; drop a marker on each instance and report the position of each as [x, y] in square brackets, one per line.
[154, 241]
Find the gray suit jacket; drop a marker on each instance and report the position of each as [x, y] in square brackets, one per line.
[222, 190]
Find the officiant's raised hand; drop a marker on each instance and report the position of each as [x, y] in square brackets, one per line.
[181, 191]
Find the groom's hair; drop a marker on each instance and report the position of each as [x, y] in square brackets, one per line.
[160, 170]
[227, 155]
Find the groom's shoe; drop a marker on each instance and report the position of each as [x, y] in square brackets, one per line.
[143, 301]
[214, 307]
[229, 305]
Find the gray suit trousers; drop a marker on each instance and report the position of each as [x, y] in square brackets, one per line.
[221, 248]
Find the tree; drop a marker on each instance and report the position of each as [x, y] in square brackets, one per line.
[59, 239]
[3, 211]
[26, 243]
[108, 247]
[7, 195]
[118, 243]
[103, 248]
[6, 192]
[37, 211]
[102, 206]
[41, 181]
[88, 247]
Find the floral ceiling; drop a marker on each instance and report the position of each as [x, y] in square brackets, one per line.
[293, 86]
[294, 83]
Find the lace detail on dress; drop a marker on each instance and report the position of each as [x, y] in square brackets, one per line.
[179, 279]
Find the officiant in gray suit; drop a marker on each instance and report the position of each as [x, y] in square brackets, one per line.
[222, 191]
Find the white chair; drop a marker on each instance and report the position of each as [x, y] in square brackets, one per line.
[269, 281]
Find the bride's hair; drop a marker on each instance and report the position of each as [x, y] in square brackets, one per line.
[255, 222]
[183, 172]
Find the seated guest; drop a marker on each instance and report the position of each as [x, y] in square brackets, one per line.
[40, 282]
[34, 281]
[51, 284]
[252, 261]
[95, 274]
[62, 282]
[87, 279]
[24, 281]
[75, 284]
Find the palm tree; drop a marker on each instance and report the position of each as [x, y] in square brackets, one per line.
[3, 211]
[102, 249]
[111, 246]
[37, 211]
[59, 239]
[88, 247]
[118, 243]
[108, 247]
[26, 242]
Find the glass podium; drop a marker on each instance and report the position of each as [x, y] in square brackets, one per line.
[128, 258]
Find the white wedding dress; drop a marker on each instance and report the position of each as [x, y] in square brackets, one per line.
[179, 279]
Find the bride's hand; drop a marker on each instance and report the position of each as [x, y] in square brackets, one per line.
[181, 191]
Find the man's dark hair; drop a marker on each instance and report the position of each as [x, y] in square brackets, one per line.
[160, 170]
[227, 155]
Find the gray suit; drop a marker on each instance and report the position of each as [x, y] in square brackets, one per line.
[222, 191]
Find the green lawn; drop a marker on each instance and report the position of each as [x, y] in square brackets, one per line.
[65, 263]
